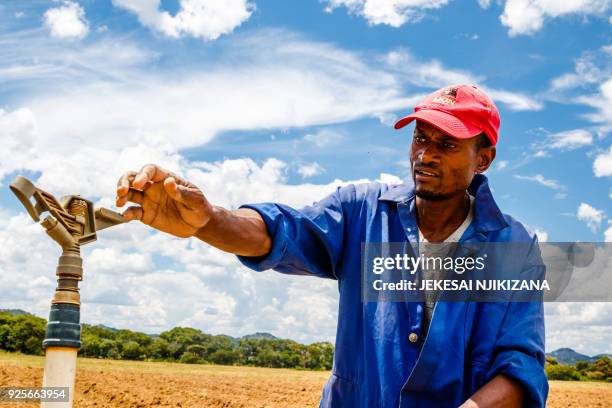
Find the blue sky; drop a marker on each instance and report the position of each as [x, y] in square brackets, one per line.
[276, 100]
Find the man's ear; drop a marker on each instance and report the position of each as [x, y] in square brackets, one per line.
[486, 155]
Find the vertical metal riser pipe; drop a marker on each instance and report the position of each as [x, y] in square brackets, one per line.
[61, 344]
[63, 335]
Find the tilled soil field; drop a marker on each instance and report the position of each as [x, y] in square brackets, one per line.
[102, 383]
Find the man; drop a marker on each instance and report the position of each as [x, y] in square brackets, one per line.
[388, 354]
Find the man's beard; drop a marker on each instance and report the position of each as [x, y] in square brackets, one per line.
[432, 195]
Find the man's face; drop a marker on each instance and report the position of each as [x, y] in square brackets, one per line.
[443, 166]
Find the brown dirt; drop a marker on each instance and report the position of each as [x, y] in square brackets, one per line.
[109, 384]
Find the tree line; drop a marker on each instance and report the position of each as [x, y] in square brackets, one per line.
[600, 370]
[24, 333]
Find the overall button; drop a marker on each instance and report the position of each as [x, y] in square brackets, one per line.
[413, 337]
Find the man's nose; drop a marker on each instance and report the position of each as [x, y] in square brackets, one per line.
[429, 154]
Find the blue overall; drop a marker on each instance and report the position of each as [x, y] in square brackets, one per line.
[375, 363]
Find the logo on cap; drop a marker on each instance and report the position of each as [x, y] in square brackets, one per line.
[446, 97]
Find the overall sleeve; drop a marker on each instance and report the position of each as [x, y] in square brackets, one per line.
[307, 241]
[519, 349]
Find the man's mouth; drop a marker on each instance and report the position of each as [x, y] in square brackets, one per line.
[425, 173]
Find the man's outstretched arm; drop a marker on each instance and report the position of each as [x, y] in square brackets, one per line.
[241, 232]
[173, 205]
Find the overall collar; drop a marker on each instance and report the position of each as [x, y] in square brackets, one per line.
[487, 215]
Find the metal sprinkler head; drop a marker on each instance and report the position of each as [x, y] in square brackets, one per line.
[71, 221]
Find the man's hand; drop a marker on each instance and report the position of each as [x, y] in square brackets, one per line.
[166, 202]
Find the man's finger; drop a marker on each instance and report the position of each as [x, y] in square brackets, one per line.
[135, 196]
[147, 186]
[149, 173]
[180, 193]
[124, 182]
[134, 213]
[172, 188]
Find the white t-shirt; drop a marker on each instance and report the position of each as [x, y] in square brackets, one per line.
[439, 250]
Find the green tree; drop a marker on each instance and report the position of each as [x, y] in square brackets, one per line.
[190, 358]
[226, 357]
[600, 370]
[109, 349]
[562, 372]
[23, 333]
[582, 365]
[131, 350]
[159, 349]
[551, 360]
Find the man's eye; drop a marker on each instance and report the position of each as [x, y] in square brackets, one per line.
[448, 145]
[419, 139]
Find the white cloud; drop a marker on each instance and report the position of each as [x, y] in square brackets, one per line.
[324, 137]
[589, 84]
[387, 119]
[608, 233]
[591, 216]
[17, 129]
[602, 166]
[515, 101]
[522, 17]
[430, 73]
[585, 327]
[203, 101]
[310, 169]
[570, 139]
[433, 74]
[542, 234]
[526, 17]
[541, 153]
[540, 179]
[291, 82]
[390, 12]
[206, 19]
[67, 21]
[547, 142]
[592, 67]
[502, 164]
[602, 102]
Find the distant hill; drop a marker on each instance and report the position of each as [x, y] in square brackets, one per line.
[102, 326]
[259, 336]
[570, 357]
[16, 312]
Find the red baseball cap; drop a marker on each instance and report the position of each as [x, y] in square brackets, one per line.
[461, 111]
